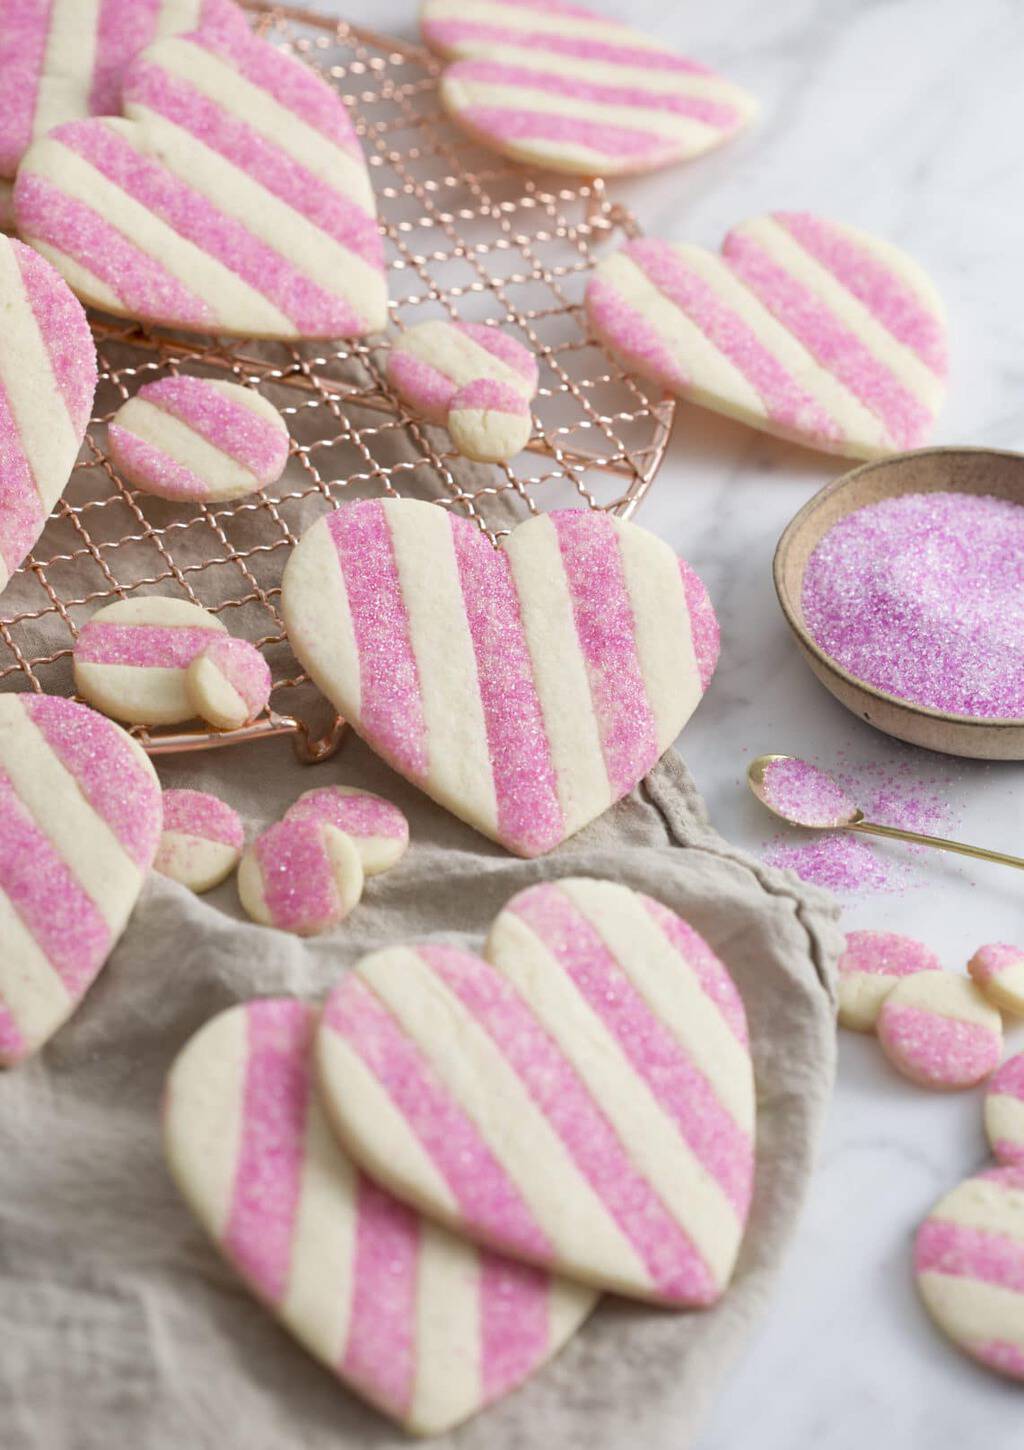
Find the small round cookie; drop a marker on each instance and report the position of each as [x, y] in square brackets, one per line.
[198, 440]
[432, 366]
[871, 965]
[202, 839]
[969, 1267]
[229, 683]
[938, 1029]
[1004, 1112]
[378, 829]
[131, 658]
[998, 970]
[303, 876]
[489, 421]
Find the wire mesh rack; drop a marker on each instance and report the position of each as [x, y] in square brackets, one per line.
[466, 236]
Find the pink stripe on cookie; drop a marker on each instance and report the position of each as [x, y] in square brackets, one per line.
[355, 812]
[380, 1351]
[631, 335]
[504, 347]
[142, 645]
[391, 710]
[428, 389]
[507, 125]
[23, 35]
[715, 980]
[63, 326]
[675, 1267]
[268, 1174]
[485, 1193]
[469, 36]
[123, 28]
[136, 459]
[704, 626]
[966, 1252]
[298, 882]
[490, 395]
[522, 769]
[514, 1322]
[829, 341]
[938, 1051]
[142, 285]
[886, 296]
[606, 632]
[255, 442]
[197, 813]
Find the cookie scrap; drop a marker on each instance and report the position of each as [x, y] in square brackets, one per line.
[303, 876]
[378, 829]
[422, 1325]
[938, 1029]
[998, 970]
[229, 683]
[202, 839]
[1004, 1112]
[871, 965]
[582, 1097]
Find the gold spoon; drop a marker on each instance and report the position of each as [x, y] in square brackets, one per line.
[798, 792]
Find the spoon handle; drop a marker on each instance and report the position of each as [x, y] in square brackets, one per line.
[939, 842]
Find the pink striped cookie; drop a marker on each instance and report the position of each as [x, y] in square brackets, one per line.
[969, 1264]
[805, 328]
[525, 688]
[998, 970]
[202, 839]
[62, 60]
[198, 440]
[939, 1030]
[422, 1325]
[131, 658]
[582, 1099]
[378, 829]
[303, 876]
[477, 381]
[80, 820]
[1004, 1111]
[233, 199]
[552, 84]
[871, 965]
[47, 382]
[229, 683]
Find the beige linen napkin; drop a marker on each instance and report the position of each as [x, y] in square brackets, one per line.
[122, 1327]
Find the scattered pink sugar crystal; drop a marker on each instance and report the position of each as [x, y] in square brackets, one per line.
[804, 793]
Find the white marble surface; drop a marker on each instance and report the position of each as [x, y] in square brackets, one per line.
[904, 117]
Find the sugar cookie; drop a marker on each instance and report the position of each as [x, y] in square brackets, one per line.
[871, 965]
[301, 875]
[232, 198]
[1004, 1111]
[476, 380]
[131, 658]
[229, 683]
[560, 87]
[80, 816]
[422, 1325]
[582, 1099]
[805, 328]
[47, 382]
[198, 440]
[998, 970]
[66, 59]
[969, 1263]
[379, 830]
[938, 1029]
[525, 688]
[202, 839]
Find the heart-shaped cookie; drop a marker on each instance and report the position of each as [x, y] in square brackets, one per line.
[421, 1324]
[80, 820]
[558, 86]
[233, 199]
[47, 382]
[805, 328]
[582, 1099]
[525, 688]
[65, 59]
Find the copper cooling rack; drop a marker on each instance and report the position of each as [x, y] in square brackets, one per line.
[466, 236]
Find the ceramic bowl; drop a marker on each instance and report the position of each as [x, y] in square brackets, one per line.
[930, 470]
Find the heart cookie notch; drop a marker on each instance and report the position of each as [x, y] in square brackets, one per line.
[525, 688]
[80, 822]
[805, 328]
[233, 198]
[582, 1097]
[424, 1326]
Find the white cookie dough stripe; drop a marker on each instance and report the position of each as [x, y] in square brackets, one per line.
[664, 638]
[461, 359]
[331, 655]
[78, 834]
[65, 82]
[439, 634]
[1004, 1124]
[33, 997]
[985, 1204]
[701, 85]
[37, 406]
[154, 249]
[81, 281]
[536, 23]
[974, 1313]
[559, 673]
[203, 1115]
[450, 1300]
[182, 445]
[414, 1034]
[947, 995]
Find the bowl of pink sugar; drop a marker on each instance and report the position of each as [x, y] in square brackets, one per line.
[903, 582]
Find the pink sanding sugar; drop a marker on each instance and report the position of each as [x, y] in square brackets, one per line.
[804, 793]
[922, 596]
